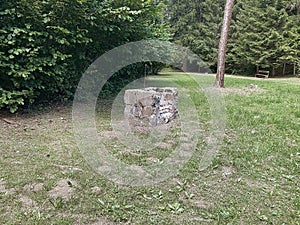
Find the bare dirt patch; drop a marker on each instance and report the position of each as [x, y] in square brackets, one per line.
[3, 189]
[34, 187]
[27, 203]
[228, 170]
[64, 189]
[96, 189]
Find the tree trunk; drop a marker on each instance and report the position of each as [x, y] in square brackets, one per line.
[284, 69]
[223, 44]
[185, 66]
[294, 69]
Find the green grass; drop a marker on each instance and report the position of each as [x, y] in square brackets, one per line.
[253, 180]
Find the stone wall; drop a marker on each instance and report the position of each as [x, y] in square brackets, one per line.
[151, 106]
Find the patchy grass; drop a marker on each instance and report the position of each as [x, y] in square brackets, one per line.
[254, 179]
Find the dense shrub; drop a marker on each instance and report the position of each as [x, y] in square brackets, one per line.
[45, 46]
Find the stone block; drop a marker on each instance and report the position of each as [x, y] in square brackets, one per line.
[151, 106]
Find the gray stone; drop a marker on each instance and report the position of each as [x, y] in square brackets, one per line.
[151, 106]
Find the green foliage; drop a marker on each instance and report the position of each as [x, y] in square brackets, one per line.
[45, 46]
[197, 25]
[36, 51]
[257, 35]
[290, 46]
[262, 33]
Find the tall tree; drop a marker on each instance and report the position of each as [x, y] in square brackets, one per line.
[257, 39]
[196, 24]
[223, 44]
[290, 45]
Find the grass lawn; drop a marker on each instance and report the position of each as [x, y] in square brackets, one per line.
[254, 179]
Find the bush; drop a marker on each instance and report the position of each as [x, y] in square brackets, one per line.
[45, 46]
